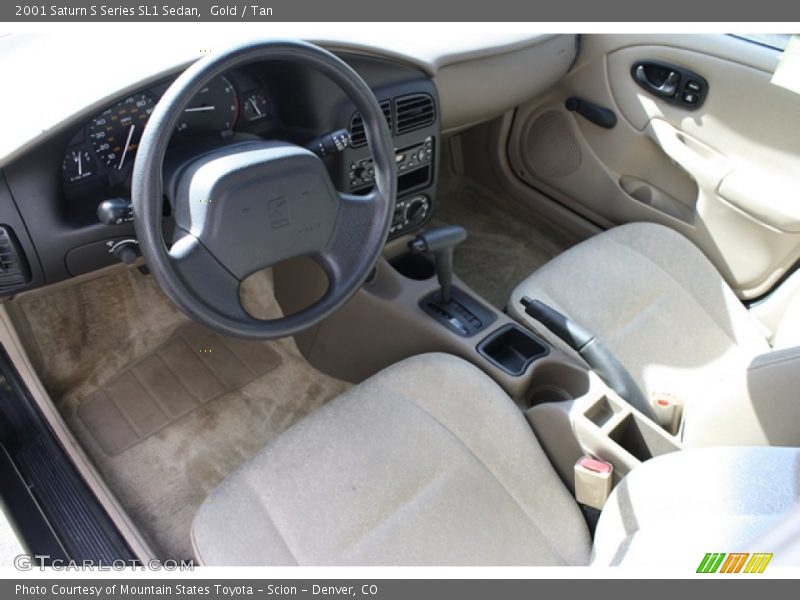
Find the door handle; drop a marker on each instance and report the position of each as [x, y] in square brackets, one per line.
[671, 83]
[668, 87]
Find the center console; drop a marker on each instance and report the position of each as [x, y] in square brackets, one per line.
[574, 413]
[394, 316]
[414, 304]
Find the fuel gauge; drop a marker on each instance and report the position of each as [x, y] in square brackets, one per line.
[255, 107]
[78, 165]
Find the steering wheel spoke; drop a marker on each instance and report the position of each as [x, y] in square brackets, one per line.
[353, 234]
[207, 279]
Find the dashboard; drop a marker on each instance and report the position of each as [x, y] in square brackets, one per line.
[53, 196]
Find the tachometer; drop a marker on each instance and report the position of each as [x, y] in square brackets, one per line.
[214, 108]
[116, 132]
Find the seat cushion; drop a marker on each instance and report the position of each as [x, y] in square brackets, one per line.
[427, 462]
[675, 508]
[657, 303]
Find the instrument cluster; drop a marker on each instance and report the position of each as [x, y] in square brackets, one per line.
[101, 154]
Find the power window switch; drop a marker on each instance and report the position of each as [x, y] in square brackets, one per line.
[689, 98]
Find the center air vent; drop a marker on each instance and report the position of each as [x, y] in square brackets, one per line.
[413, 112]
[357, 135]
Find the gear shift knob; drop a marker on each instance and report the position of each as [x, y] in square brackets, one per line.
[441, 242]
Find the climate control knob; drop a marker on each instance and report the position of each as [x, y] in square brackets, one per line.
[416, 209]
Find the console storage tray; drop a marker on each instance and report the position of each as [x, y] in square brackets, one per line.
[512, 349]
[613, 430]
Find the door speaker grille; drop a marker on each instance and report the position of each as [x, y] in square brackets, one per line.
[549, 147]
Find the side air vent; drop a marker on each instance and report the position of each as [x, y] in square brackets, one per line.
[358, 137]
[413, 112]
[14, 272]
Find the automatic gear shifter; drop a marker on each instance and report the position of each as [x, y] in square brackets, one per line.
[441, 242]
[450, 306]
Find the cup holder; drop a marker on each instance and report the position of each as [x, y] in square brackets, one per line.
[557, 382]
[414, 266]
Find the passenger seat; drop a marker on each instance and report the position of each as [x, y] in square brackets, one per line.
[663, 310]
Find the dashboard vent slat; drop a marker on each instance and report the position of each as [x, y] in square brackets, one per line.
[14, 272]
[413, 112]
[358, 136]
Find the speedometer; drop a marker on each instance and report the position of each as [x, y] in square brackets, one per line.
[116, 132]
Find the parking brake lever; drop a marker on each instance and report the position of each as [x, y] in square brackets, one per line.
[593, 351]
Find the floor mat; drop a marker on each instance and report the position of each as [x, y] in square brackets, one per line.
[196, 365]
[505, 243]
[86, 336]
[81, 335]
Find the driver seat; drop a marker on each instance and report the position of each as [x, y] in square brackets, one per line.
[429, 462]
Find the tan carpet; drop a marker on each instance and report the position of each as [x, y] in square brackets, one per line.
[195, 366]
[85, 337]
[506, 242]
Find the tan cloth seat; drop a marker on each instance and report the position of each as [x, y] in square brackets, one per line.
[662, 308]
[430, 463]
[674, 509]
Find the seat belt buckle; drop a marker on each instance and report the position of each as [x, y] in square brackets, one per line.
[593, 481]
[668, 410]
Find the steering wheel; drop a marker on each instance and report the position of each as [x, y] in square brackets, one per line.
[249, 205]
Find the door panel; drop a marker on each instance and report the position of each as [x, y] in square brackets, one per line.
[722, 173]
